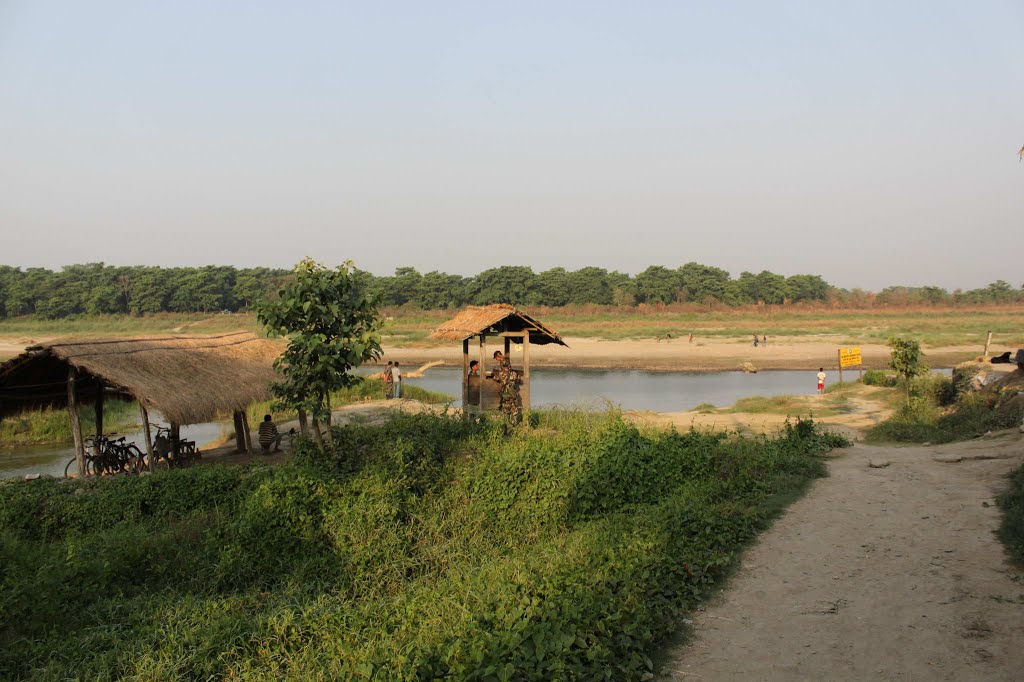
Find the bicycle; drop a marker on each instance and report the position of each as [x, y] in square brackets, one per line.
[103, 455]
[163, 449]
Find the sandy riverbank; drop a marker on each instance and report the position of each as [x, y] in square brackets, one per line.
[679, 355]
[648, 354]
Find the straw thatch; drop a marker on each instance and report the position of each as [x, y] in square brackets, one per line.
[496, 318]
[188, 379]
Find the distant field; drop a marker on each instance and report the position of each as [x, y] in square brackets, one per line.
[933, 326]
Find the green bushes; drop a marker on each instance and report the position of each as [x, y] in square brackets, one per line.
[429, 548]
[880, 377]
[1011, 529]
[922, 420]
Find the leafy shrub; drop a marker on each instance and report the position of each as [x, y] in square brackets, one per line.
[879, 377]
[428, 548]
[1011, 529]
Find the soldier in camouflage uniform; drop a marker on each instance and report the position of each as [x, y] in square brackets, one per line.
[389, 382]
[510, 402]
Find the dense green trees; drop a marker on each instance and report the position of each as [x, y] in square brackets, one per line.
[97, 289]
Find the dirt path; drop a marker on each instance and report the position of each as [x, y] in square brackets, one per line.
[877, 573]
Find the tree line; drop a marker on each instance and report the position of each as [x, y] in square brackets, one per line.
[98, 289]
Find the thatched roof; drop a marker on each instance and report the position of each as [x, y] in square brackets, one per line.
[500, 317]
[187, 378]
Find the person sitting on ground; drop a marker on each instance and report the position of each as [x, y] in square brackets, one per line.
[268, 435]
[474, 368]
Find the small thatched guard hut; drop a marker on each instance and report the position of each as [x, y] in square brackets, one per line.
[187, 378]
[504, 322]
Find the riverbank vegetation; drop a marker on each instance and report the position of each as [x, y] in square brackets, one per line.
[1011, 529]
[45, 426]
[935, 411]
[427, 548]
[98, 289]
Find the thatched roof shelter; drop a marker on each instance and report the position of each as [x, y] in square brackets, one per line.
[187, 378]
[508, 324]
[494, 319]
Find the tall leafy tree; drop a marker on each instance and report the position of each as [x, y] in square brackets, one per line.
[332, 326]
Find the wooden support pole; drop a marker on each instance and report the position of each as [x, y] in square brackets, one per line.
[526, 371]
[99, 417]
[465, 374]
[149, 440]
[839, 356]
[76, 425]
[988, 342]
[239, 436]
[175, 436]
[483, 363]
[508, 348]
[245, 431]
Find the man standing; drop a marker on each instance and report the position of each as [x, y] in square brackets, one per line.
[821, 380]
[510, 402]
[389, 381]
[268, 435]
[396, 377]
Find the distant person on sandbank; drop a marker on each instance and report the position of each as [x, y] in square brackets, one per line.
[821, 380]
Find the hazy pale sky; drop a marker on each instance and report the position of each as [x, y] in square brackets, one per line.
[871, 142]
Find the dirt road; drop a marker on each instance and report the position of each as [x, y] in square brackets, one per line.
[877, 573]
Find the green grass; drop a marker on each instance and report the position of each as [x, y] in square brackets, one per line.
[1011, 529]
[793, 406]
[44, 426]
[923, 420]
[428, 548]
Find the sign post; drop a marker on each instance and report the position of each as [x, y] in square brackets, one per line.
[849, 357]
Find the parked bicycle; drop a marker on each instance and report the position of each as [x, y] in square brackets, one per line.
[105, 455]
[163, 449]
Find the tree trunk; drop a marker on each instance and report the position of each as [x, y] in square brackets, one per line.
[303, 423]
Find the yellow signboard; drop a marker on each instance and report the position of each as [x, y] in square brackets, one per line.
[849, 357]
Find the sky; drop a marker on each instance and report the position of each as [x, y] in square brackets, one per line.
[874, 143]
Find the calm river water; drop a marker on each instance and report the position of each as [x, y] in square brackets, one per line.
[629, 389]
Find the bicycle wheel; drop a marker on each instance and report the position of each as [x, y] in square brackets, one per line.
[71, 467]
[136, 460]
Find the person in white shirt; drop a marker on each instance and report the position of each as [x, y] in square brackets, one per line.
[397, 373]
[821, 380]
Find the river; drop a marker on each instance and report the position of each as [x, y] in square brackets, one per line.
[589, 389]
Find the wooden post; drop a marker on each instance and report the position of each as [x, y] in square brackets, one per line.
[860, 371]
[76, 425]
[149, 441]
[839, 357]
[465, 375]
[239, 436]
[245, 431]
[526, 371]
[483, 363]
[99, 417]
[988, 342]
[508, 348]
[175, 436]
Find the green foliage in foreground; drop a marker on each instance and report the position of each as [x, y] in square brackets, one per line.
[1011, 530]
[41, 426]
[430, 548]
[923, 419]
